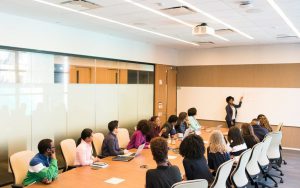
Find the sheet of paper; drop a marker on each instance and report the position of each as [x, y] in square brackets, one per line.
[172, 157]
[114, 181]
[205, 142]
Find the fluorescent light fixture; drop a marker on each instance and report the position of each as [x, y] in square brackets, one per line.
[213, 18]
[284, 17]
[168, 16]
[114, 21]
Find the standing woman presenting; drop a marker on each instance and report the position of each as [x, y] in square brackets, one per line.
[231, 110]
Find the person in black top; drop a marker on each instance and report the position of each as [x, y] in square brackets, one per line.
[259, 131]
[165, 175]
[195, 165]
[216, 152]
[231, 110]
[248, 135]
[181, 124]
[237, 143]
[168, 127]
[110, 146]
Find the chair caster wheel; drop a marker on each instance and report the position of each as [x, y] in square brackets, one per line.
[281, 174]
[281, 181]
[276, 185]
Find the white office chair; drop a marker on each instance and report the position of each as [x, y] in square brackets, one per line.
[97, 142]
[123, 137]
[222, 175]
[264, 162]
[253, 169]
[239, 177]
[274, 152]
[199, 183]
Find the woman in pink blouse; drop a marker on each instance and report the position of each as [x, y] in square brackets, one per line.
[84, 150]
[139, 136]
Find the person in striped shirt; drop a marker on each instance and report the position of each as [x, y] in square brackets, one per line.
[43, 166]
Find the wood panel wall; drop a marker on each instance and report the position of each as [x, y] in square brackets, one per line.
[271, 75]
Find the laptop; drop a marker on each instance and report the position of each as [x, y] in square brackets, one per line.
[130, 156]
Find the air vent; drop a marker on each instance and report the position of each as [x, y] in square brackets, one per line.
[178, 11]
[224, 31]
[81, 5]
[205, 43]
[282, 36]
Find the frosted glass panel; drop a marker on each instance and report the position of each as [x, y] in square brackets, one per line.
[81, 108]
[128, 105]
[42, 68]
[106, 105]
[145, 101]
[49, 115]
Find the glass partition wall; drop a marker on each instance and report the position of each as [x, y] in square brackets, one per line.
[55, 96]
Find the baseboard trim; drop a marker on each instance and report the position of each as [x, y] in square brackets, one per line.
[294, 149]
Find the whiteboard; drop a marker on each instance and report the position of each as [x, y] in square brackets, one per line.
[278, 104]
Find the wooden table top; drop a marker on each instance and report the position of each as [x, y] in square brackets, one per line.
[131, 172]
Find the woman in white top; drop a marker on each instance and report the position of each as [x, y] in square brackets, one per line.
[193, 122]
[84, 150]
[236, 141]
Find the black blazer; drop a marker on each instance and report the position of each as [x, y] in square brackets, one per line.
[229, 111]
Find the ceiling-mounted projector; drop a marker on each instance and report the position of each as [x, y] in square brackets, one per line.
[203, 29]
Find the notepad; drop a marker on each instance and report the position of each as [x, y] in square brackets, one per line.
[114, 181]
[172, 157]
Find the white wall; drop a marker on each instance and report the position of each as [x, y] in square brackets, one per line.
[28, 33]
[264, 54]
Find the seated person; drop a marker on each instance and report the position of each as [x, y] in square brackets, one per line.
[165, 175]
[155, 124]
[110, 146]
[43, 167]
[181, 124]
[84, 149]
[194, 124]
[168, 128]
[195, 165]
[236, 141]
[248, 134]
[259, 131]
[139, 136]
[216, 152]
[264, 122]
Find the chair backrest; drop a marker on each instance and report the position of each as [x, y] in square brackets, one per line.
[19, 164]
[97, 142]
[68, 148]
[123, 137]
[239, 177]
[274, 148]
[252, 167]
[199, 183]
[279, 127]
[222, 175]
[263, 158]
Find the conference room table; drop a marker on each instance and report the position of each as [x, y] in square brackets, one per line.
[133, 172]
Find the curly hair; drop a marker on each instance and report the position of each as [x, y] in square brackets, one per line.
[229, 98]
[217, 142]
[192, 147]
[159, 149]
[192, 111]
[143, 126]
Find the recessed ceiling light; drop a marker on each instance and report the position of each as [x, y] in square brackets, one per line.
[284, 17]
[113, 21]
[168, 16]
[214, 18]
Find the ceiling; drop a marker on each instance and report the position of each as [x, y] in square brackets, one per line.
[261, 21]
